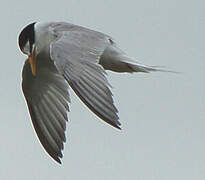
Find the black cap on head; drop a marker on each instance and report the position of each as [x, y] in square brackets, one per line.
[27, 35]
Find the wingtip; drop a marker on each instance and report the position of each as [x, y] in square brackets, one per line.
[58, 160]
[117, 126]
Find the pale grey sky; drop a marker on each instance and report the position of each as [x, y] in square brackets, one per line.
[162, 114]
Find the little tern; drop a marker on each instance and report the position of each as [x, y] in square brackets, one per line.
[63, 55]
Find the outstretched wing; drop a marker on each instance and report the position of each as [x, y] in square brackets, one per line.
[47, 97]
[76, 54]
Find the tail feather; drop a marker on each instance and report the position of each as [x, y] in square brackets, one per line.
[115, 59]
[146, 69]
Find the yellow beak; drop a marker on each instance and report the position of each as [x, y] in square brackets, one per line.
[32, 61]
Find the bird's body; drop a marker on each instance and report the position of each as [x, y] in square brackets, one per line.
[63, 55]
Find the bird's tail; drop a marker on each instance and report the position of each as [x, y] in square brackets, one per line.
[115, 59]
[138, 67]
[128, 64]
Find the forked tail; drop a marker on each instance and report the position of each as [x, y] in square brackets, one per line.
[136, 67]
[115, 59]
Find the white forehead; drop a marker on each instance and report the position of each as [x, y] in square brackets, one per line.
[43, 36]
[41, 25]
[41, 28]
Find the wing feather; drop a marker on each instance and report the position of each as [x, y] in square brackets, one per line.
[59, 126]
[47, 99]
[76, 55]
[43, 139]
[48, 128]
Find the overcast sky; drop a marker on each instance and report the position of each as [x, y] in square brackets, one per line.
[162, 114]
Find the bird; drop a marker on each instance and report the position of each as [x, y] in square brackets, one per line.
[60, 56]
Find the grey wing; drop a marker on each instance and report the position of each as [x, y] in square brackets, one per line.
[76, 54]
[47, 99]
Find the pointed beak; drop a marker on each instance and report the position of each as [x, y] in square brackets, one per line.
[32, 61]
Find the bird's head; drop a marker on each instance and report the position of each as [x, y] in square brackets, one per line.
[27, 44]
